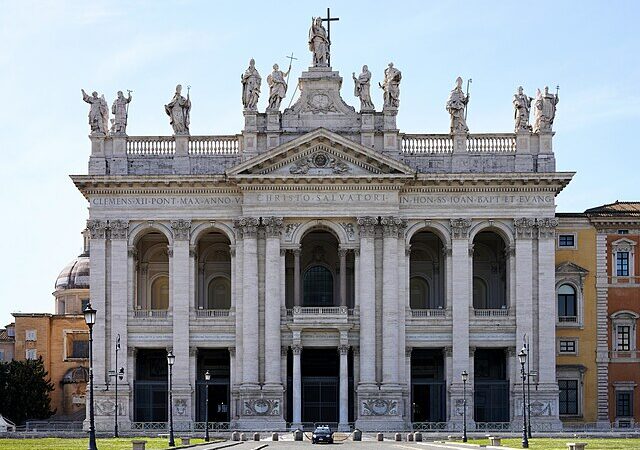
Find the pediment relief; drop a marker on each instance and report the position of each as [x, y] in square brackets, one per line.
[321, 102]
[321, 153]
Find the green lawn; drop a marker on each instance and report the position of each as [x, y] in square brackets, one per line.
[81, 444]
[561, 444]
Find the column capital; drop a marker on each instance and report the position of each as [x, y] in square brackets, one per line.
[119, 229]
[524, 227]
[343, 349]
[283, 351]
[342, 252]
[367, 226]
[296, 349]
[296, 251]
[546, 227]
[472, 352]
[246, 226]
[132, 252]
[273, 226]
[448, 352]
[193, 351]
[356, 252]
[232, 351]
[97, 228]
[181, 229]
[283, 252]
[408, 351]
[460, 228]
[393, 226]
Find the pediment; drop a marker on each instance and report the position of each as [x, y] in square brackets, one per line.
[321, 153]
[570, 268]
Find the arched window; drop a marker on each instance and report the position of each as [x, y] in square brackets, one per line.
[419, 293]
[219, 293]
[567, 304]
[479, 293]
[318, 286]
[160, 293]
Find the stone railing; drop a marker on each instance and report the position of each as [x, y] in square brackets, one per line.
[415, 313]
[213, 145]
[491, 143]
[200, 313]
[502, 312]
[151, 145]
[319, 310]
[416, 144]
[151, 313]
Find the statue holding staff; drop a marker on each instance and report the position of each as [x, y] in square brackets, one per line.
[391, 87]
[178, 110]
[251, 80]
[522, 105]
[319, 43]
[277, 86]
[98, 113]
[545, 110]
[362, 89]
[456, 106]
[120, 111]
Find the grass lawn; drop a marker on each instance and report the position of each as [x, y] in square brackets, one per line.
[561, 444]
[81, 444]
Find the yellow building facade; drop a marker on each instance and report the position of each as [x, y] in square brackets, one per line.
[576, 318]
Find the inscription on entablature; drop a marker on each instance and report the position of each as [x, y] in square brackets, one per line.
[408, 200]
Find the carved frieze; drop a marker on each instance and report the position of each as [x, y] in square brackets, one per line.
[119, 229]
[181, 229]
[261, 407]
[273, 226]
[97, 228]
[367, 226]
[547, 227]
[460, 228]
[524, 227]
[290, 229]
[320, 161]
[379, 407]
[246, 226]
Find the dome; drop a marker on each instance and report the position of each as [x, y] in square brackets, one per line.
[75, 275]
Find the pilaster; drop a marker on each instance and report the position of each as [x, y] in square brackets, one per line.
[273, 228]
[274, 129]
[525, 231]
[602, 329]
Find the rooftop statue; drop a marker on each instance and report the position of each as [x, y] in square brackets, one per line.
[545, 110]
[319, 43]
[362, 89]
[178, 110]
[98, 113]
[522, 105]
[277, 86]
[251, 86]
[391, 87]
[120, 111]
[456, 105]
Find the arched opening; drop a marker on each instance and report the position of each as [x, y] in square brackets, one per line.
[213, 283]
[489, 271]
[427, 272]
[567, 304]
[152, 269]
[318, 286]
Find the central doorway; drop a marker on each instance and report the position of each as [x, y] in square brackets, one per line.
[320, 385]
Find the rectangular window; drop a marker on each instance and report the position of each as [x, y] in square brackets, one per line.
[622, 264]
[624, 404]
[568, 397]
[566, 240]
[623, 231]
[85, 303]
[80, 349]
[31, 335]
[567, 346]
[31, 353]
[623, 338]
[1, 355]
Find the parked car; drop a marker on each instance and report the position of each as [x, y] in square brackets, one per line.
[322, 433]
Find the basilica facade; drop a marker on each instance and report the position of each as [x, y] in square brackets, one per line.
[322, 266]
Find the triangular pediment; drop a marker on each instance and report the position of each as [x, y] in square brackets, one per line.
[568, 267]
[321, 153]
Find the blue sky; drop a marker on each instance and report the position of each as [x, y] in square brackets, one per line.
[51, 49]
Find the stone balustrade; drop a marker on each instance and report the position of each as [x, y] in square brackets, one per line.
[415, 144]
[213, 145]
[150, 314]
[502, 312]
[416, 313]
[151, 145]
[491, 143]
[205, 313]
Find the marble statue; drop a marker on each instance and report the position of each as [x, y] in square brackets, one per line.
[319, 43]
[120, 111]
[98, 113]
[545, 110]
[391, 87]
[178, 110]
[522, 105]
[251, 86]
[277, 86]
[361, 89]
[456, 105]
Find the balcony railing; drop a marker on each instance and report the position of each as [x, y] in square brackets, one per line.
[320, 311]
[491, 143]
[213, 145]
[428, 313]
[417, 144]
[568, 319]
[203, 313]
[502, 312]
[151, 313]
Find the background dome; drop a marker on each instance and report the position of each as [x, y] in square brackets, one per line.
[75, 275]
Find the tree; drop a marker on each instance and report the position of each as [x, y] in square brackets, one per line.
[24, 391]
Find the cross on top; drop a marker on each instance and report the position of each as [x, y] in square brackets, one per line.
[329, 19]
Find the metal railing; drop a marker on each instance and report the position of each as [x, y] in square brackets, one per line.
[567, 319]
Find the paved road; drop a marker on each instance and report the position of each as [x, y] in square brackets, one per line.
[346, 445]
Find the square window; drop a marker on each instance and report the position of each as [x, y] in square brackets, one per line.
[566, 240]
[567, 346]
[31, 335]
[568, 399]
[31, 353]
[624, 404]
[622, 264]
[77, 345]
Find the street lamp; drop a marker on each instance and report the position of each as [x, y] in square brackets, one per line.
[90, 320]
[465, 376]
[207, 377]
[531, 376]
[522, 356]
[171, 359]
[117, 374]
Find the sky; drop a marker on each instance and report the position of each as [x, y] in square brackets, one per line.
[52, 49]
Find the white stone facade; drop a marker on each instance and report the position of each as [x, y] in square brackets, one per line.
[368, 190]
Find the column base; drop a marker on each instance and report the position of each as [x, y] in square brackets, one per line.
[261, 409]
[344, 427]
[381, 409]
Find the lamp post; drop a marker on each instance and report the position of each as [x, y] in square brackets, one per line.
[90, 320]
[531, 374]
[171, 359]
[522, 356]
[465, 376]
[207, 377]
[117, 374]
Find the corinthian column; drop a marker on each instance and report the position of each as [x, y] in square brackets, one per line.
[366, 284]
[97, 278]
[119, 282]
[180, 281]
[273, 227]
[248, 227]
[391, 227]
